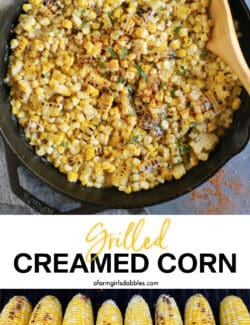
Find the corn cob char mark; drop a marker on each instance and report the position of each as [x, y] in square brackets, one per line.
[233, 311]
[137, 312]
[167, 311]
[79, 311]
[198, 311]
[48, 311]
[109, 314]
[16, 312]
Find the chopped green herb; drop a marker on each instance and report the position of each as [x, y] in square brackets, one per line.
[110, 13]
[150, 49]
[190, 105]
[177, 29]
[177, 73]
[124, 53]
[84, 23]
[203, 55]
[112, 53]
[194, 131]
[130, 89]
[183, 68]
[184, 148]
[102, 64]
[141, 72]
[172, 92]
[64, 144]
[135, 138]
[121, 80]
[162, 84]
[84, 11]
[167, 105]
[132, 113]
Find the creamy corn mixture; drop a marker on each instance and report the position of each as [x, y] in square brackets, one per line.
[118, 92]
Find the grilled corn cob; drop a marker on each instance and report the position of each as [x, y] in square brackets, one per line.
[48, 311]
[198, 311]
[109, 314]
[167, 312]
[137, 312]
[79, 311]
[16, 312]
[233, 311]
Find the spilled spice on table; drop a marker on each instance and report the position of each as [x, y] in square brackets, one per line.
[216, 199]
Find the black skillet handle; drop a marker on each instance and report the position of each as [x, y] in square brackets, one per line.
[12, 165]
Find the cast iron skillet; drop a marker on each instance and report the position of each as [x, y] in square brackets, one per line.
[232, 143]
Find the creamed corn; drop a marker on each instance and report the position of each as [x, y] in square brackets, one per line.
[118, 92]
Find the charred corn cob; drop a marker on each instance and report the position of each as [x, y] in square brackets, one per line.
[233, 311]
[198, 311]
[167, 312]
[48, 311]
[16, 312]
[109, 314]
[137, 312]
[79, 311]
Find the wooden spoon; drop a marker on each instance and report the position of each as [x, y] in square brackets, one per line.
[224, 41]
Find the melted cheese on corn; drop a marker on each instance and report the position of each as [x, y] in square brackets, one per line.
[118, 92]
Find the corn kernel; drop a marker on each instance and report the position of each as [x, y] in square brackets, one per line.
[72, 177]
[67, 24]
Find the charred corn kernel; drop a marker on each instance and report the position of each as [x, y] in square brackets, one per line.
[90, 153]
[72, 177]
[152, 28]
[109, 313]
[27, 7]
[67, 24]
[118, 12]
[29, 23]
[234, 311]
[141, 32]
[16, 312]
[92, 91]
[14, 43]
[79, 311]
[167, 312]
[198, 311]
[179, 171]
[175, 45]
[48, 311]
[137, 312]
[183, 32]
[181, 53]
[236, 104]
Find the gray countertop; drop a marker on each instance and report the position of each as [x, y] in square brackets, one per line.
[227, 193]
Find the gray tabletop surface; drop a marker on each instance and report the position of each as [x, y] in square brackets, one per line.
[227, 193]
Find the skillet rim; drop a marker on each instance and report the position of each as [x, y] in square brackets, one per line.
[33, 163]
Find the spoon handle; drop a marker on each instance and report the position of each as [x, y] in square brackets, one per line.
[224, 41]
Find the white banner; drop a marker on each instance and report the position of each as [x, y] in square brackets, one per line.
[133, 251]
